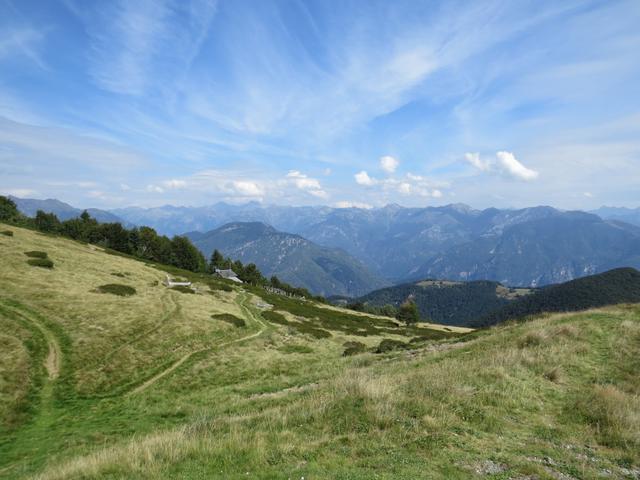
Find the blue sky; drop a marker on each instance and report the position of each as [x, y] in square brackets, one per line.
[491, 103]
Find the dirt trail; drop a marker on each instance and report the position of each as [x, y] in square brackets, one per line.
[242, 300]
[52, 362]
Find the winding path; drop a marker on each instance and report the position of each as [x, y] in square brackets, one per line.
[242, 302]
[53, 359]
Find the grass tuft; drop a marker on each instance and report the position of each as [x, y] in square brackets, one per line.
[36, 254]
[7, 233]
[353, 348]
[229, 318]
[117, 289]
[40, 262]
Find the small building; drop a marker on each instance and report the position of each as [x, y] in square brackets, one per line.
[228, 274]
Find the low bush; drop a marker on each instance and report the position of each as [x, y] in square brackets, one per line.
[229, 318]
[7, 233]
[36, 254]
[40, 262]
[117, 289]
[295, 349]
[388, 345]
[353, 348]
[275, 317]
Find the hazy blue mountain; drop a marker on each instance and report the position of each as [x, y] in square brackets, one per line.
[64, 211]
[541, 251]
[628, 215]
[452, 241]
[294, 259]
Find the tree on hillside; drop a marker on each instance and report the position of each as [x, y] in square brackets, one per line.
[47, 222]
[217, 261]
[408, 312]
[251, 274]
[185, 255]
[8, 210]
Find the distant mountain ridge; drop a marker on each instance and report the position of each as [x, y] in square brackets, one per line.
[64, 211]
[622, 214]
[292, 258]
[532, 246]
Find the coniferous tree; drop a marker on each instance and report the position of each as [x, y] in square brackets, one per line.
[47, 222]
[8, 210]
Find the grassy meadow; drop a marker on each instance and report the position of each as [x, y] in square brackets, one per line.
[162, 383]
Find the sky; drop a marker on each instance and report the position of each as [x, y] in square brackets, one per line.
[360, 103]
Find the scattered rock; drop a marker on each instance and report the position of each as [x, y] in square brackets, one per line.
[489, 467]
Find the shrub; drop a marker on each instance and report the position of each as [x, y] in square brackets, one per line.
[183, 289]
[40, 262]
[229, 318]
[7, 233]
[275, 317]
[36, 254]
[388, 345]
[353, 348]
[117, 289]
[295, 349]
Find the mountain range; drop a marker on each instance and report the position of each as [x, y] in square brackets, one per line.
[526, 247]
[292, 258]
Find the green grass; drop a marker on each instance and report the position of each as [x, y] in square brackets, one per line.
[117, 289]
[558, 395]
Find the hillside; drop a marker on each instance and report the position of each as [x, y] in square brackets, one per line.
[621, 285]
[216, 384]
[622, 214]
[323, 271]
[446, 302]
[540, 252]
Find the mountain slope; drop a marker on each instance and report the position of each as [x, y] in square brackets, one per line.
[621, 285]
[324, 271]
[64, 211]
[217, 384]
[541, 251]
[622, 214]
[446, 302]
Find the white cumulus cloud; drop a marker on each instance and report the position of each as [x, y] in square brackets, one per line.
[389, 164]
[247, 188]
[363, 178]
[306, 183]
[505, 164]
[510, 165]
